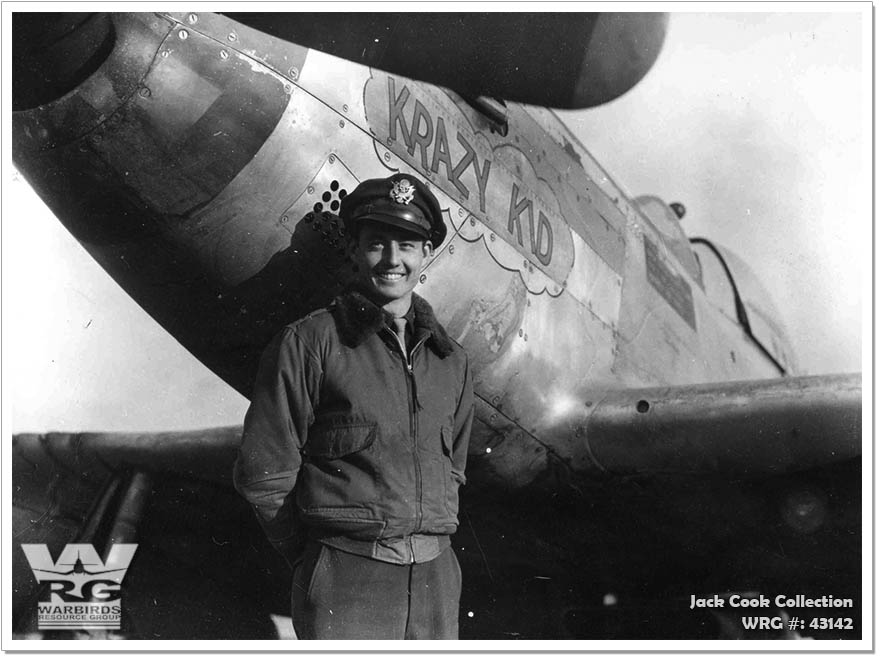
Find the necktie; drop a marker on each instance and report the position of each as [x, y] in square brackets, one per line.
[400, 330]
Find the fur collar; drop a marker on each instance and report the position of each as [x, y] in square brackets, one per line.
[357, 318]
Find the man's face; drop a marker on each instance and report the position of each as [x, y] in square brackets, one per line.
[389, 259]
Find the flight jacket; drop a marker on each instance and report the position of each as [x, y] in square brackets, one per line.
[353, 442]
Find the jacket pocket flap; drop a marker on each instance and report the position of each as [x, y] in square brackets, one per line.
[446, 436]
[339, 440]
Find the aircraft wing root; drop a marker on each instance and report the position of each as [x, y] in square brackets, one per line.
[742, 429]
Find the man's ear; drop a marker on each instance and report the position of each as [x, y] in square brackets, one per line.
[428, 249]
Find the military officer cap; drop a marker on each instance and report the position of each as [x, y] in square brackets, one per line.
[400, 200]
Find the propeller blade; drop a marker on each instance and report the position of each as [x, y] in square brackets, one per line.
[570, 60]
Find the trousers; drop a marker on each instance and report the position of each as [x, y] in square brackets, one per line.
[342, 596]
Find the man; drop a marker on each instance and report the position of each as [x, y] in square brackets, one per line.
[355, 442]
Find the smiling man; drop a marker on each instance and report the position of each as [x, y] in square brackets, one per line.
[355, 442]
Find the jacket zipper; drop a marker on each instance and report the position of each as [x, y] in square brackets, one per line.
[413, 426]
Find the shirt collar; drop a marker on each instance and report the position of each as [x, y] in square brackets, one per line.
[409, 316]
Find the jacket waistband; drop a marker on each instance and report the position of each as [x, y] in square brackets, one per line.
[412, 549]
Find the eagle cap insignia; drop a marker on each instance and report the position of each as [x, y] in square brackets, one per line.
[402, 191]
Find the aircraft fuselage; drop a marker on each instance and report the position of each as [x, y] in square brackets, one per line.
[203, 163]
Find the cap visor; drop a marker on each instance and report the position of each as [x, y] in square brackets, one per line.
[397, 222]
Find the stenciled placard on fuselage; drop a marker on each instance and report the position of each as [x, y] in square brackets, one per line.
[671, 285]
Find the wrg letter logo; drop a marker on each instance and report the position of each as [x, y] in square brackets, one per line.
[83, 589]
